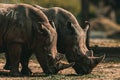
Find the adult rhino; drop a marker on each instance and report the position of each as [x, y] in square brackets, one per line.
[25, 28]
[72, 39]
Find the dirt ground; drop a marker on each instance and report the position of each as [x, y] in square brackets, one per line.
[109, 69]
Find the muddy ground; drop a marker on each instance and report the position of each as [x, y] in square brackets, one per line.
[109, 69]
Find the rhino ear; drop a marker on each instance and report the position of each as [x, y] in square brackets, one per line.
[71, 27]
[87, 26]
[69, 24]
[52, 24]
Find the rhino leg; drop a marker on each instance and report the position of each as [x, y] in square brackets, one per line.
[25, 55]
[14, 51]
[42, 59]
[24, 62]
[7, 65]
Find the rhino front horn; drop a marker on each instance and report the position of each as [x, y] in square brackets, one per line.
[90, 53]
[97, 60]
[62, 66]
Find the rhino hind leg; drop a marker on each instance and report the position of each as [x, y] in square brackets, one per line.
[25, 55]
[14, 51]
[7, 65]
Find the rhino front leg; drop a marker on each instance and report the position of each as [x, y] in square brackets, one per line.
[26, 54]
[42, 59]
[14, 51]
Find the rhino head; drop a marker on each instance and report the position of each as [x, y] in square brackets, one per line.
[76, 50]
[50, 59]
[85, 64]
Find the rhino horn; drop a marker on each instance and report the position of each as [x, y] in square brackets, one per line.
[90, 53]
[97, 59]
[62, 66]
[87, 26]
[59, 57]
[103, 56]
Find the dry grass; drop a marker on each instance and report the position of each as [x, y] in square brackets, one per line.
[104, 71]
[109, 69]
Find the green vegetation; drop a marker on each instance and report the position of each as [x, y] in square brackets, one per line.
[108, 9]
[71, 5]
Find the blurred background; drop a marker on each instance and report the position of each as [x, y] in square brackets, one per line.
[103, 15]
[103, 36]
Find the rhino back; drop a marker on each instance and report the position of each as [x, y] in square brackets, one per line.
[60, 16]
[17, 21]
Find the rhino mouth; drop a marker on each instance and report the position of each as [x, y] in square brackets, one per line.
[81, 70]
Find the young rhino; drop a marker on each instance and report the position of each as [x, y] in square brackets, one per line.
[24, 28]
[72, 39]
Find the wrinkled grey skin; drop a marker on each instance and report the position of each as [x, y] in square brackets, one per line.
[25, 29]
[72, 39]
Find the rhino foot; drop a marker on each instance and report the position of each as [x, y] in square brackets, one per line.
[15, 74]
[26, 72]
[7, 67]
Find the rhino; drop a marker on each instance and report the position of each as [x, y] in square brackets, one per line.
[25, 29]
[72, 39]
